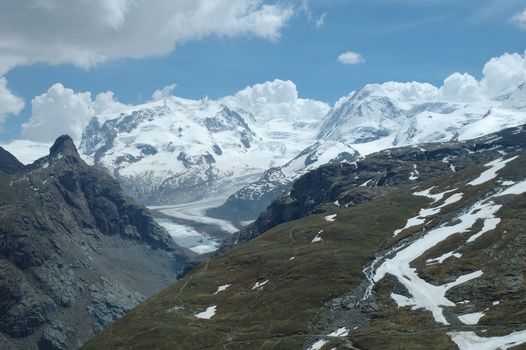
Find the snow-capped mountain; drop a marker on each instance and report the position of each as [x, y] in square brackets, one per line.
[381, 116]
[249, 201]
[392, 114]
[251, 146]
[179, 150]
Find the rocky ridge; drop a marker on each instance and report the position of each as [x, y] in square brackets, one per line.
[76, 253]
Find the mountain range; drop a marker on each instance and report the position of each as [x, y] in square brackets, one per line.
[247, 149]
[397, 201]
[412, 247]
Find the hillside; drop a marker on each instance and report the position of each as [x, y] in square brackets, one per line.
[436, 263]
[76, 253]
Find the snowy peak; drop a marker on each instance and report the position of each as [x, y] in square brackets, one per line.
[364, 116]
[386, 115]
[517, 99]
[176, 150]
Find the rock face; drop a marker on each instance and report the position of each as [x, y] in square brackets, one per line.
[76, 253]
[425, 257]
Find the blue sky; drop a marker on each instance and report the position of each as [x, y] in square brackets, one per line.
[401, 40]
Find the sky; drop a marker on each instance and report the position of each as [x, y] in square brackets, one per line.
[128, 49]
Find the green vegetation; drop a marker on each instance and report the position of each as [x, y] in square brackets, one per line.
[281, 315]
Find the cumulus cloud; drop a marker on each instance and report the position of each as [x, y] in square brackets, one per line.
[166, 91]
[520, 19]
[350, 57]
[460, 88]
[9, 103]
[63, 111]
[500, 76]
[278, 98]
[105, 103]
[84, 33]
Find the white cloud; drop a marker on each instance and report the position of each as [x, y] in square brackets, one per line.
[164, 92]
[84, 33]
[350, 57]
[278, 98]
[9, 103]
[500, 76]
[106, 104]
[460, 88]
[321, 20]
[503, 74]
[63, 111]
[520, 19]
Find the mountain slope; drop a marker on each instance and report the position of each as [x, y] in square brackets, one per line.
[382, 116]
[252, 199]
[76, 253]
[178, 150]
[378, 173]
[435, 264]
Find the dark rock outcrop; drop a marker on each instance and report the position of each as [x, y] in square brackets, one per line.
[76, 253]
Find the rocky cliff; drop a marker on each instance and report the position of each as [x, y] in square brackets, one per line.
[76, 253]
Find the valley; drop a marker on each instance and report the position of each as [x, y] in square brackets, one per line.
[262, 175]
[363, 276]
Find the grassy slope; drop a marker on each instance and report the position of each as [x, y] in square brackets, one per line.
[279, 315]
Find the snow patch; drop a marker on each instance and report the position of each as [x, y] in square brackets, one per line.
[443, 257]
[317, 238]
[516, 189]
[259, 285]
[491, 173]
[331, 218]
[471, 319]
[425, 295]
[426, 212]
[471, 341]
[208, 313]
[222, 288]
[340, 332]
[414, 175]
[318, 345]
[366, 183]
